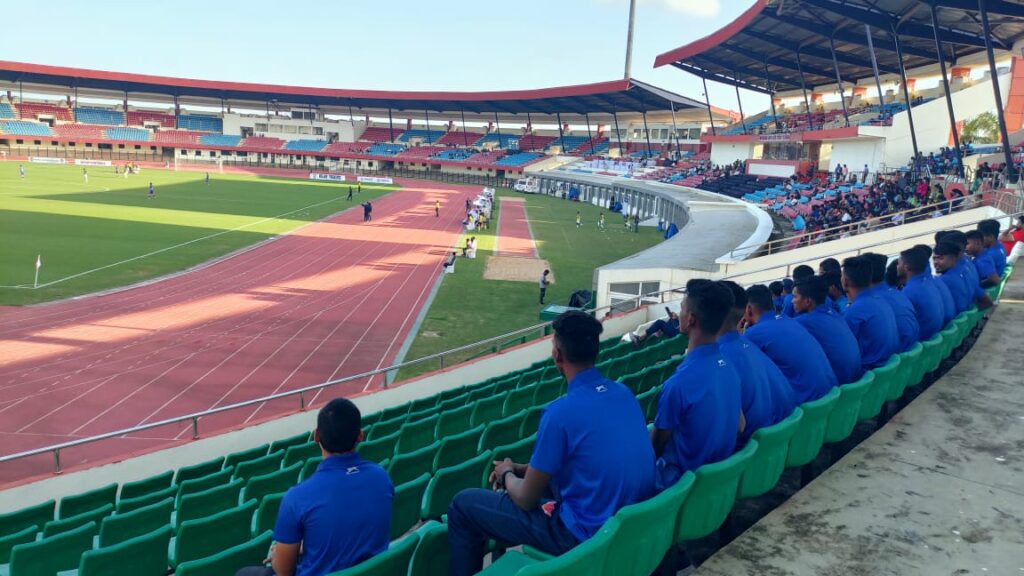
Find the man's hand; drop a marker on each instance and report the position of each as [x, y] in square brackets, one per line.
[497, 478]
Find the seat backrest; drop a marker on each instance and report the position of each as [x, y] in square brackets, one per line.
[488, 409]
[406, 505]
[146, 486]
[455, 421]
[54, 527]
[431, 557]
[646, 531]
[203, 484]
[810, 434]
[713, 495]
[86, 501]
[278, 481]
[586, 558]
[236, 458]
[548, 390]
[503, 431]
[458, 448]
[519, 399]
[531, 421]
[143, 555]
[266, 513]
[48, 556]
[406, 467]
[18, 520]
[200, 470]
[286, 443]
[129, 504]
[300, 453]
[417, 434]
[377, 449]
[843, 416]
[120, 527]
[209, 502]
[207, 536]
[309, 468]
[392, 562]
[764, 469]
[519, 452]
[227, 562]
[259, 466]
[447, 482]
[12, 539]
[387, 427]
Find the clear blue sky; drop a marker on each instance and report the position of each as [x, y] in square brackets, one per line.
[380, 44]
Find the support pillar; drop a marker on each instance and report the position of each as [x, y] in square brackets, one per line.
[839, 80]
[707, 100]
[743, 121]
[497, 129]
[465, 137]
[945, 85]
[803, 89]
[561, 134]
[874, 66]
[647, 132]
[391, 126]
[906, 96]
[767, 84]
[993, 73]
[618, 135]
[589, 136]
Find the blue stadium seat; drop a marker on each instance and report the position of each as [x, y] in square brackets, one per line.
[518, 159]
[456, 155]
[503, 140]
[219, 140]
[6, 111]
[98, 116]
[385, 149]
[569, 143]
[200, 122]
[306, 145]
[134, 134]
[25, 128]
[428, 136]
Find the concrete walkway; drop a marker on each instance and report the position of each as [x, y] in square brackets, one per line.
[938, 490]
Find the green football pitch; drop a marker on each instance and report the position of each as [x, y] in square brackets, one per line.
[107, 232]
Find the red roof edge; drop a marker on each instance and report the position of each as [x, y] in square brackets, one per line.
[713, 39]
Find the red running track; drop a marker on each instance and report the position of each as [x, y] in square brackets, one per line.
[514, 236]
[331, 299]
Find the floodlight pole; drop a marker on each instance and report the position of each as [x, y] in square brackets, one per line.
[839, 80]
[906, 96]
[675, 131]
[993, 74]
[427, 113]
[945, 85]
[629, 40]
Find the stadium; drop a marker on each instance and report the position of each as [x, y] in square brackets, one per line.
[591, 328]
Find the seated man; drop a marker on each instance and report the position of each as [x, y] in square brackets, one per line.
[765, 395]
[919, 287]
[660, 328]
[981, 260]
[948, 306]
[592, 444]
[778, 298]
[828, 328]
[837, 299]
[990, 238]
[699, 411]
[946, 260]
[907, 327]
[799, 273]
[448, 267]
[790, 347]
[870, 318]
[339, 516]
[964, 266]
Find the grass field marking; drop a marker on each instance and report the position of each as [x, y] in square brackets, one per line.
[193, 241]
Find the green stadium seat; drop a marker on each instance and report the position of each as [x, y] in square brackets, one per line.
[266, 513]
[548, 391]
[227, 562]
[647, 531]
[487, 410]
[421, 415]
[259, 466]
[309, 468]
[208, 502]
[634, 380]
[451, 393]
[909, 361]
[874, 398]
[528, 377]
[386, 427]
[286, 443]
[38, 515]
[200, 470]
[531, 422]
[714, 492]
[207, 536]
[379, 449]
[367, 420]
[458, 448]
[146, 486]
[203, 484]
[236, 458]
[24, 536]
[300, 453]
[586, 559]
[49, 556]
[405, 506]
[393, 562]
[455, 421]
[639, 360]
[550, 371]
[649, 402]
[421, 404]
[765, 467]
[417, 434]
[480, 393]
[519, 399]
[54, 527]
[278, 481]
[120, 527]
[395, 411]
[431, 556]
[144, 555]
[452, 403]
[126, 505]
[949, 337]
[843, 417]
[810, 433]
[503, 431]
[932, 354]
[87, 501]
[447, 482]
[509, 384]
[407, 467]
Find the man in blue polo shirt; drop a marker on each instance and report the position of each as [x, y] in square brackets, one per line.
[993, 247]
[828, 328]
[981, 260]
[765, 394]
[341, 515]
[592, 444]
[700, 409]
[869, 317]
[946, 261]
[799, 273]
[945, 296]
[919, 287]
[907, 327]
[789, 346]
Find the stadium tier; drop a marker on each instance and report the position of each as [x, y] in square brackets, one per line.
[262, 143]
[99, 116]
[79, 131]
[200, 123]
[24, 128]
[128, 134]
[455, 155]
[6, 111]
[519, 159]
[385, 149]
[179, 137]
[346, 148]
[378, 134]
[306, 145]
[502, 140]
[458, 138]
[33, 111]
[420, 152]
[486, 158]
[535, 142]
[140, 117]
[219, 140]
[424, 136]
[568, 143]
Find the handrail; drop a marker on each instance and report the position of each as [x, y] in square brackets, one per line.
[637, 302]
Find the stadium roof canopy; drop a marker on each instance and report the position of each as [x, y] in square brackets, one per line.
[603, 98]
[758, 50]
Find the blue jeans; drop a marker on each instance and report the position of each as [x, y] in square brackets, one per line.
[476, 515]
[667, 329]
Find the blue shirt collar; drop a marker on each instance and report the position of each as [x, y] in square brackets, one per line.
[702, 351]
[339, 461]
[586, 379]
[825, 308]
[728, 337]
[767, 317]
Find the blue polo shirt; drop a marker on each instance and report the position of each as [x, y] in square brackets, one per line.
[998, 255]
[984, 266]
[969, 272]
[924, 296]
[341, 515]
[792, 348]
[958, 289]
[700, 404]
[765, 395]
[831, 332]
[873, 324]
[907, 326]
[948, 306]
[594, 444]
[787, 306]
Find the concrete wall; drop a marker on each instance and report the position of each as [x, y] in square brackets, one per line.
[857, 152]
[233, 124]
[729, 152]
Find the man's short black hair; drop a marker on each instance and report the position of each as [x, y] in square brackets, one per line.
[924, 249]
[940, 235]
[578, 335]
[338, 425]
[892, 274]
[946, 249]
[973, 235]
[775, 288]
[709, 302]
[878, 262]
[831, 265]
[989, 227]
[857, 271]
[813, 287]
[915, 259]
[760, 298]
[802, 271]
[739, 295]
[834, 280]
[956, 237]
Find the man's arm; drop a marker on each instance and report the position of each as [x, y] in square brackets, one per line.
[284, 558]
[525, 485]
[983, 302]
[992, 280]
[743, 423]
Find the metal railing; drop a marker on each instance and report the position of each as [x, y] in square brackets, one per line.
[637, 302]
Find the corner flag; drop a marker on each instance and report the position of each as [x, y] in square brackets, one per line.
[39, 264]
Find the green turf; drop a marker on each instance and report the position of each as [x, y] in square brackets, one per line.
[78, 227]
[469, 308]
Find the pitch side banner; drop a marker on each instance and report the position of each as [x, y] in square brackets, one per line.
[375, 180]
[327, 177]
[45, 160]
[85, 162]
